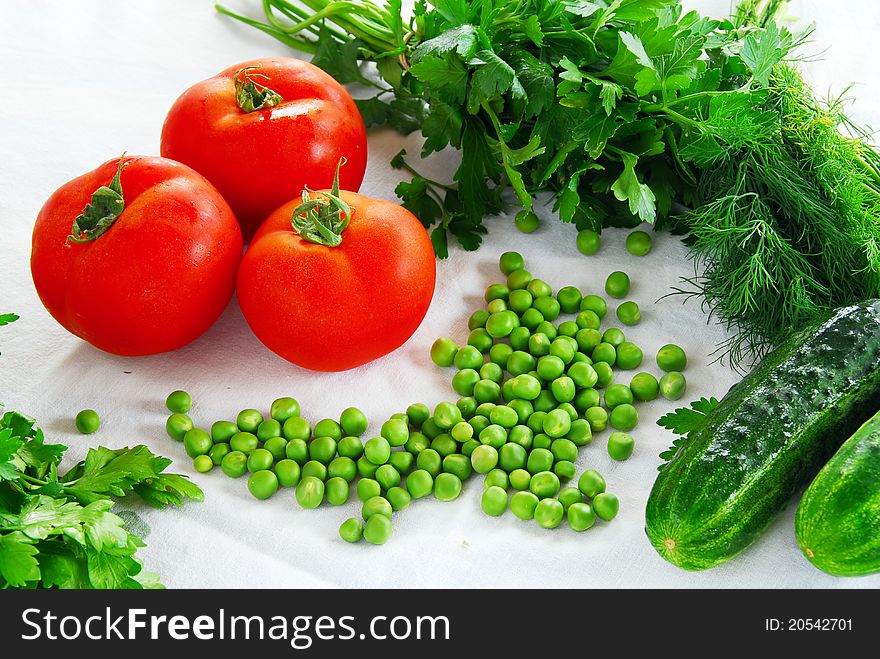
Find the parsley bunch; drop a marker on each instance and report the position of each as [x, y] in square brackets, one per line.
[57, 530]
[615, 112]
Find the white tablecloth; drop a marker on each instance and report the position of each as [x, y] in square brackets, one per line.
[84, 81]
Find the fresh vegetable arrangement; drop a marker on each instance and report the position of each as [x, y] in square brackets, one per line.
[262, 131]
[620, 110]
[118, 251]
[767, 438]
[57, 529]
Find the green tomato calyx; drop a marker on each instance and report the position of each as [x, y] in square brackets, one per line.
[101, 212]
[322, 220]
[251, 95]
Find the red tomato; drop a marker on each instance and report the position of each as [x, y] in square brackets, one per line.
[334, 308]
[158, 277]
[262, 158]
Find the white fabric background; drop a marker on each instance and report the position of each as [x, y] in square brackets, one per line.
[84, 81]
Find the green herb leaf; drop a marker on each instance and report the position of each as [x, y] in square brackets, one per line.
[18, 564]
[762, 51]
[461, 40]
[638, 195]
[338, 59]
[6, 318]
[684, 420]
[417, 200]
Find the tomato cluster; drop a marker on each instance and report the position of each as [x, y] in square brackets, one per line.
[142, 254]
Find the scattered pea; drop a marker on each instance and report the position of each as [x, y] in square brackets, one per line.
[498, 478]
[249, 420]
[177, 425]
[222, 431]
[288, 473]
[259, 460]
[234, 464]
[315, 469]
[523, 504]
[478, 319]
[263, 484]
[570, 496]
[644, 387]
[629, 313]
[606, 505]
[617, 284]
[399, 498]
[604, 374]
[526, 221]
[354, 422]
[417, 413]
[638, 243]
[376, 506]
[178, 401]
[377, 530]
[268, 429]
[494, 501]
[624, 417]
[367, 488]
[549, 513]
[377, 450]
[447, 486]
[510, 261]
[597, 417]
[203, 464]
[588, 242]
[614, 336]
[419, 483]
[617, 394]
[581, 516]
[197, 442]
[296, 427]
[673, 385]
[387, 477]
[351, 530]
[591, 483]
[594, 303]
[544, 484]
[518, 279]
[284, 408]
[218, 452]
[671, 358]
[245, 442]
[569, 298]
[519, 479]
[620, 445]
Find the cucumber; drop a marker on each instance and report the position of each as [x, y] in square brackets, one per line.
[766, 439]
[838, 520]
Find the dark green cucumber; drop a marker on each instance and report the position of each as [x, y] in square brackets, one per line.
[766, 439]
[838, 520]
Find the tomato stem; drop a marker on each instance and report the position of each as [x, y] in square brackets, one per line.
[101, 212]
[322, 221]
[251, 95]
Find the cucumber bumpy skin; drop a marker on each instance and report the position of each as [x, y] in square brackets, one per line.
[838, 520]
[766, 439]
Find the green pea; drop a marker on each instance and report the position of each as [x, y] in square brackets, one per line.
[673, 385]
[203, 464]
[260, 460]
[351, 530]
[604, 352]
[416, 443]
[586, 398]
[523, 504]
[557, 423]
[587, 339]
[430, 429]
[522, 408]
[525, 387]
[316, 469]
[354, 422]
[638, 243]
[480, 337]
[464, 381]
[367, 488]
[519, 301]
[644, 387]
[588, 320]
[376, 506]
[468, 357]
[366, 469]
[564, 449]
[486, 391]
[606, 505]
[322, 449]
[617, 394]
[249, 420]
[398, 497]
[419, 483]
[550, 367]
[396, 431]
[462, 431]
[568, 328]
[234, 464]
[500, 325]
[492, 371]
[496, 306]
[268, 429]
[617, 284]
[629, 313]
[511, 457]
[569, 298]
[548, 306]
[540, 459]
[288, 473]
[588, 242]
[218, 451]
[549, 513]
[467, 405]
[614, 336]
[417, 413]
[484, 458]
[498, 478]
[297, 450]
[544, 484]
[569, 409]
[496, 292]
[519, 340]
[222, 431]
[535, 422]
[564, 347]
[479, 424]
[377, 450]
[521, 435]
[430, 461]
[342, 467]
[531, 318]
[494, 501]
[620, 445]
[499, 353]
[580, 433]
[328, 428]
[284, 408]
[444, 445]
[177, 425]
[350, 447]
[546, 328]
[581, 516]
[542, 441]
[518, 279]
[604, 374]
[539, 345]
[457, 464]
[591, 483]
[484, 409]
[597, 417]
[510, 261]
[582, 375]
[447, 487]
[197, 442]
[178, 401]
[263, 484]
[402, 461]
[563, 389]
[244, 441]
[570, 496]
[629, 356]
[296, 428]
[594, 303]
[671, 358]
[377, 530]
[493, 435]
[520, 479]
[504, 416]
[478, 319]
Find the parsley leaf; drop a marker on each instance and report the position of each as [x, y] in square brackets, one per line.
[684, 420]
[6, 318]
[639, 196]
[762, 51]
[18, 564]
